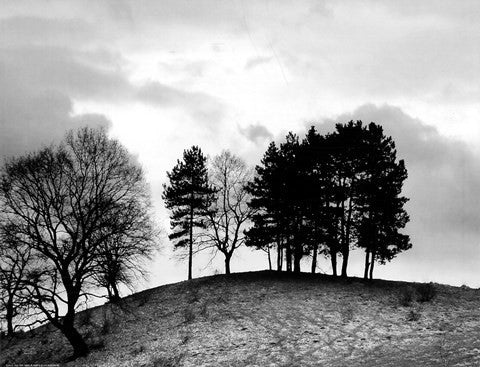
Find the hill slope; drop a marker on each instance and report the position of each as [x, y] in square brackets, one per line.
[266, 319]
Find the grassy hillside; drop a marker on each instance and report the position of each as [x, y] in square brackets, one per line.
[265, 319]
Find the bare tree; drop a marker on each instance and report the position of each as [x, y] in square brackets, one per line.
[120, 261]
[14, 260]
[65, 203]
[230, 213]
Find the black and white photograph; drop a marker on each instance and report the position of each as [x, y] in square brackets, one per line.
[236, 183]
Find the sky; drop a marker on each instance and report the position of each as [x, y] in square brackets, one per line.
[237, 74]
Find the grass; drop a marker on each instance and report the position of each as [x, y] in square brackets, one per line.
[264, 318]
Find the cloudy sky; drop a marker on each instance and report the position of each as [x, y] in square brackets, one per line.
[236, 74]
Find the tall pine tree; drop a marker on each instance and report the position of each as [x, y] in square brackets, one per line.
[189, 197]
[380, 202]
[266, 202]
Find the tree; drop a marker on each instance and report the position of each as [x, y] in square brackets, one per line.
[383, 215]
[279, 202]
[348, 158]
[229, 213]
[14, 261]
[320, 194]
[266, 192]
[65, 202]
[294, 183]
[119, 262]
[189, 197]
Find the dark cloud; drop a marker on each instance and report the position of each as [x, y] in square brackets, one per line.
[81, 75]
[36, 97]
[30, 30]
[443, 187]
[200, 106]
[256, 133]
[30, 119]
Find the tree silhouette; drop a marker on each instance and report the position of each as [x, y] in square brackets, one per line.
[120, 261]
[348, 156]
[382, 209]
[188, 196]
[320, 195]
[229, 213]
[14, 261]
[266, 190]
[329, 194]
[64, 203]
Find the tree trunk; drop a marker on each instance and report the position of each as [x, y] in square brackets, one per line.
[269, 258]
[279, 257]
[372, 263]
[288, 258]
[190, 251]
[115, 295]
[227, 264]
[9, 317]
[345, 255]
[297, 256]
[314, 258]
[333, 258]
[367, 264]
[79, 346]
[346, 243]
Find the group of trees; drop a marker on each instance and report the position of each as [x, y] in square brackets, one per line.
[74, 217]
[209, 205]
[328, 194]
[323, 195]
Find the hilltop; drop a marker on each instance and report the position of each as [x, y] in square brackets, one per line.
[270, 319]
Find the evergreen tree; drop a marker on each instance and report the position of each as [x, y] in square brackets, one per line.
[383, 214]
[294, 197]
[189, 197]
[348, 158]
[328, 195]
[266, 190]
[319, 196]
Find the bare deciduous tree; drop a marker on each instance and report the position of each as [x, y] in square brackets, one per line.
[14, 260]
[65, 203]
[230, 213]
[119, 262]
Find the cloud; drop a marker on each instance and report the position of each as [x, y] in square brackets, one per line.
[36, 98]
[256, 133]
[31, 31]
[200, 106]
[30, 119]
[79, 74]
[253, 62]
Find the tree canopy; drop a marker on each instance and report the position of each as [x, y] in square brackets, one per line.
[189, 196]
[328, 194]
[65, 203]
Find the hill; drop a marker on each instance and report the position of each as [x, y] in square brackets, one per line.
[270, 319]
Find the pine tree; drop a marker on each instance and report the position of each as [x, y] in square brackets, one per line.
[319, 191]
[348, 160]
[383, 215]
[189, 197]
[266, 190]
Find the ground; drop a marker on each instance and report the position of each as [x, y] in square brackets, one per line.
[267, 319]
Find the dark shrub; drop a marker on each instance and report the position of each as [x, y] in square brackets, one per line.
[407, 296]
[426, 292]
